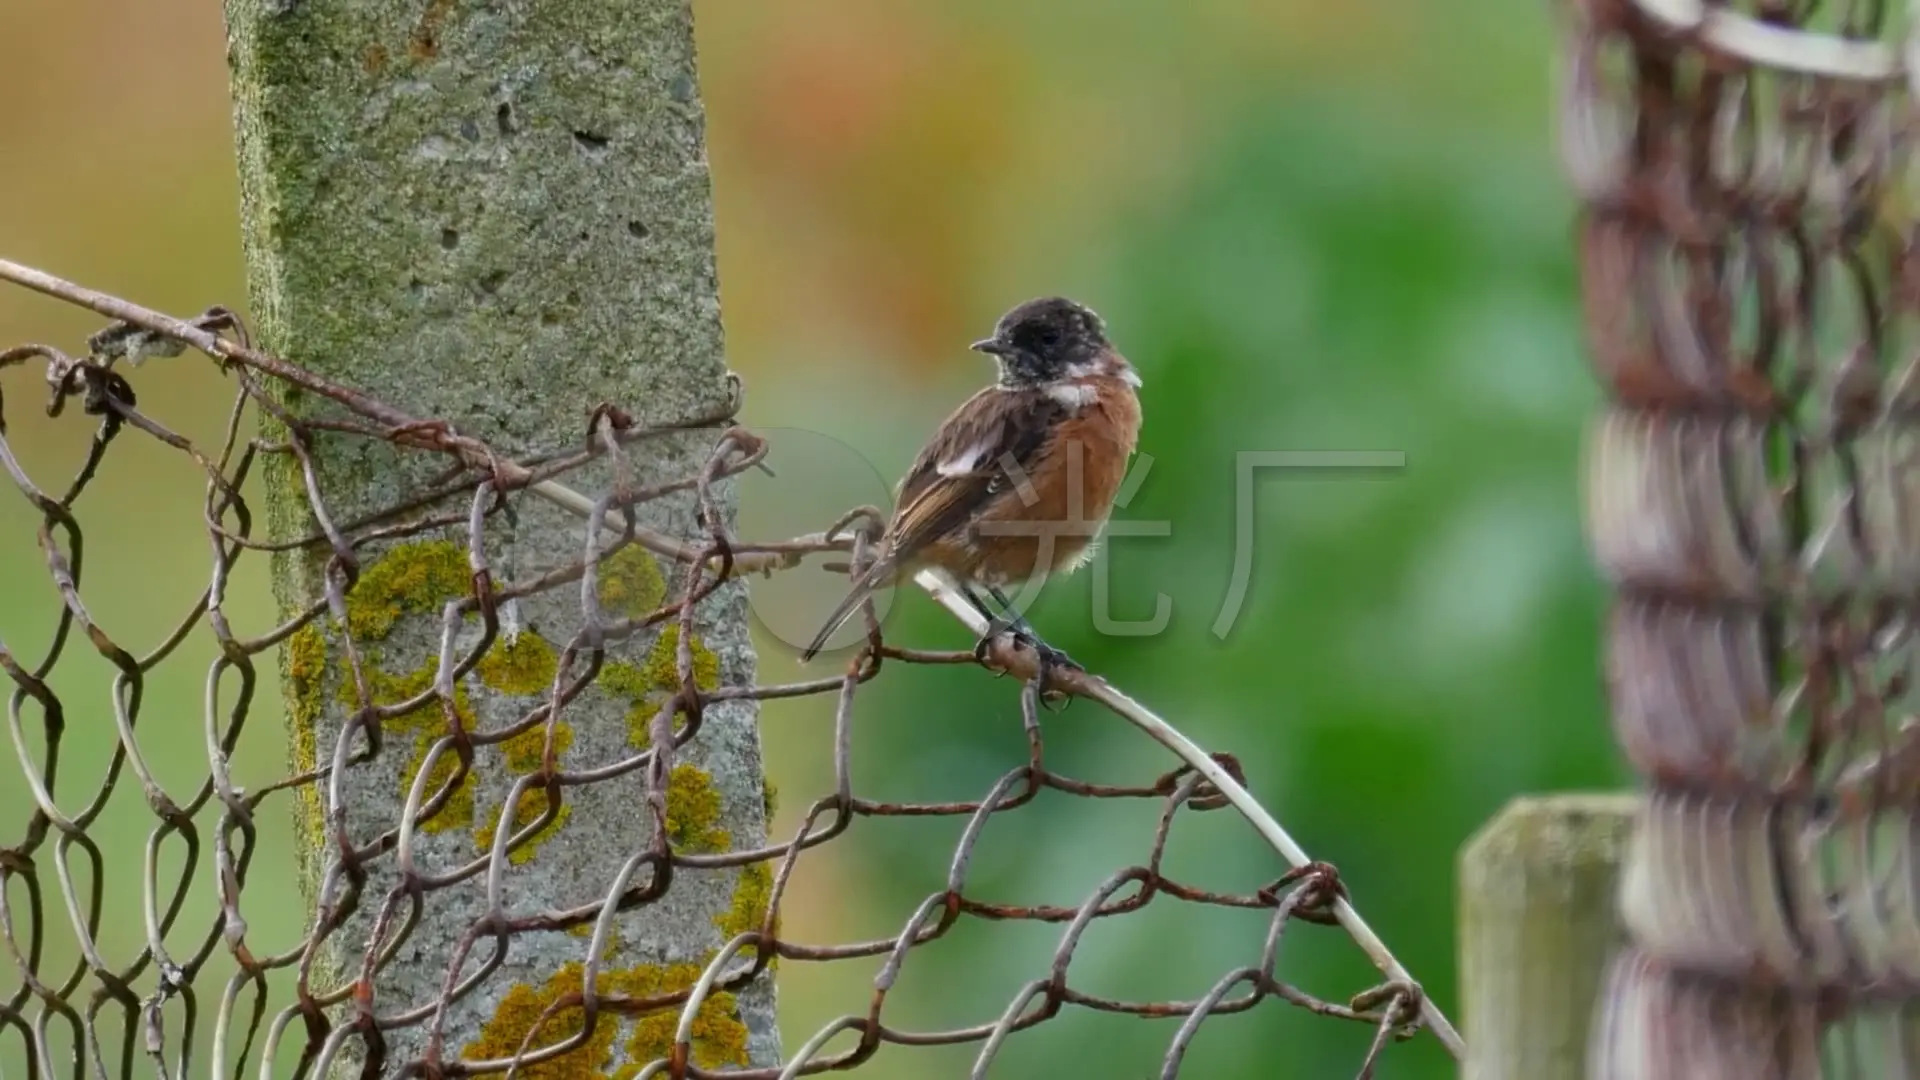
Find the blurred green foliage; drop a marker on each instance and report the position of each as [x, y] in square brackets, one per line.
[1312, 227]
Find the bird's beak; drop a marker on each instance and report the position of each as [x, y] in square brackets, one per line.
[991, 346]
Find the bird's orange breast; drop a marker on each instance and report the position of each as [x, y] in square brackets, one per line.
[1056, 510]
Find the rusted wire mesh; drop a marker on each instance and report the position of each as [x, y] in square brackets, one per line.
[1751, 286]
[200, 1001]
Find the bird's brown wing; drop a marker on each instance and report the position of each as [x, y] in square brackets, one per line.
[989, 429]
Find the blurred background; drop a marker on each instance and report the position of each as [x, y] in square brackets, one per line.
[1312, 226]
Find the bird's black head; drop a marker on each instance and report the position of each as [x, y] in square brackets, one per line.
[1044, 340]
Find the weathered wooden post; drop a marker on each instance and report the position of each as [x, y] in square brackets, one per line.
[498, 216]
[1537, 887]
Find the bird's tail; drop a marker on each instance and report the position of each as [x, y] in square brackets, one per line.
[876, 575]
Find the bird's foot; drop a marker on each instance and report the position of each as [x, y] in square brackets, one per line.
[1047, 658]
[1051, 660]
[996, 625]
[980, 652]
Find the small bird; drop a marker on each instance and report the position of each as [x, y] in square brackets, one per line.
[1018, 482]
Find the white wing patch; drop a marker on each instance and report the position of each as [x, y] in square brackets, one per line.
[964, 462]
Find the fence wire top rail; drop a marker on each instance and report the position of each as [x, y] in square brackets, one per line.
[69, 988]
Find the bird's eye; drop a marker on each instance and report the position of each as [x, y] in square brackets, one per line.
[1049, 335]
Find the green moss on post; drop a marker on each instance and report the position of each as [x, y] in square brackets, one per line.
[1537, 925]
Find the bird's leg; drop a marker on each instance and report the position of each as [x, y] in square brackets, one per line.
[1010, 619]
[997, 623]
[979, 605]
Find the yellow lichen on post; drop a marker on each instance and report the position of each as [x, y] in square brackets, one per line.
[458, 811]
[424, 725]
[616, 941]
[631, 583]
[533, 803]
[305, 660]
[626, 682]
[416, 577]
[661, 668]
[523, 666]
[748, 912]
[693, 811]
[623, 680]
[646, 685]
[388, 689]
[522, 1008]
[525, 752]
[718, 1037]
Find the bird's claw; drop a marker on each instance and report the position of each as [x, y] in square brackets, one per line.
[1047, 659]
[980, 652]
[1051, 660]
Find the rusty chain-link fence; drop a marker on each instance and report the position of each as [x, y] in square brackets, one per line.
[197, 1000]
[1751, 283]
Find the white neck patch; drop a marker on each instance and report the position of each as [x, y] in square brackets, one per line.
[1073, 395]
[1108, 368]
